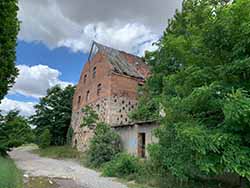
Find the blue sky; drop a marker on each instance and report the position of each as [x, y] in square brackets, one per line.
[69, 63]
[31, 54]
[63, 59]
[55, 38]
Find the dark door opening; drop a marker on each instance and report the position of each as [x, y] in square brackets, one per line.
[141, 144]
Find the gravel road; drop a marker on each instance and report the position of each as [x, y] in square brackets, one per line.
[36, 166]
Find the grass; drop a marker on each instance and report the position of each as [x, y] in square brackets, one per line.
[59, 152]
[10, 176]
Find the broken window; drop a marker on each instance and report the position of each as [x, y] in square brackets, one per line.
[85, 78]
[99, 88]
[87, 95]
[94, 72]
[98, 107]
[79, 100]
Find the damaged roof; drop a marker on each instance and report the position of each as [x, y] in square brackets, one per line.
[119, 60]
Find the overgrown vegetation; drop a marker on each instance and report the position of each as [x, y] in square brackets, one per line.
[122, 165]
[53, 113]
[14, 131]
[10, 176]
[105, 143]
[9, 27]
[200, 77]
[103, 146]
[90, 117]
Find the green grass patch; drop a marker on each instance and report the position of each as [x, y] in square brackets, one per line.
[59, 152]
[10, 176]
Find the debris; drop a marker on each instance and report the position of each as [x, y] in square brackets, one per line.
[26, 175]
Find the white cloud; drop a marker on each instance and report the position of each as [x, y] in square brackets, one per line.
[25, 108]
[130, 25]
[35, 80]
[133, 38]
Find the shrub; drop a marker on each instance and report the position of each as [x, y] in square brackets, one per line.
[121, 166]
[104, 145]
[45, 139]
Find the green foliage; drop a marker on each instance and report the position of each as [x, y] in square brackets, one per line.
[200, 76]
[10, 176]
[9, 27]
[90, 117]
[58, 152]
[103, 146]
[45, 139]
[14, 131]
[54, 113]
[121, 166]
[148, 108]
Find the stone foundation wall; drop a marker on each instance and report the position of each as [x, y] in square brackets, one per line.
[113, 110]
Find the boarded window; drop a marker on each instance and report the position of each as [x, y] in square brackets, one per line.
[99, 88]
[87, 95]
[94, 72]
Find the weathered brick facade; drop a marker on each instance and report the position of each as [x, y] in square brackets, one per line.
[108, 83]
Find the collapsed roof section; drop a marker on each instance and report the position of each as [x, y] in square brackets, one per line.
[122, 62]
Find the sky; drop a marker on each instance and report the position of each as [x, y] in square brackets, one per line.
[56, 35]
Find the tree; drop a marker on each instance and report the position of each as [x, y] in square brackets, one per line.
[54, 113]
[200, 74]
[105, 143]
[9, 27]
[14, 131]
[103, 146]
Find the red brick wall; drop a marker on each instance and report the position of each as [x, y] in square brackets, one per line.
[124, 86]
[112, 84]
[103, 70]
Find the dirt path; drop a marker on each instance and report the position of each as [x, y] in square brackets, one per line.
[36, 166]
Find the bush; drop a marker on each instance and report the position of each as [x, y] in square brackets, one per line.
[45, 139]
[104, 145]
[122, 165]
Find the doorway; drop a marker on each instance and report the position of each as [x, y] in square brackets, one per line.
[141, 144]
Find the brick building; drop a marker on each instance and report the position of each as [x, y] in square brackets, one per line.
[108, 84]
